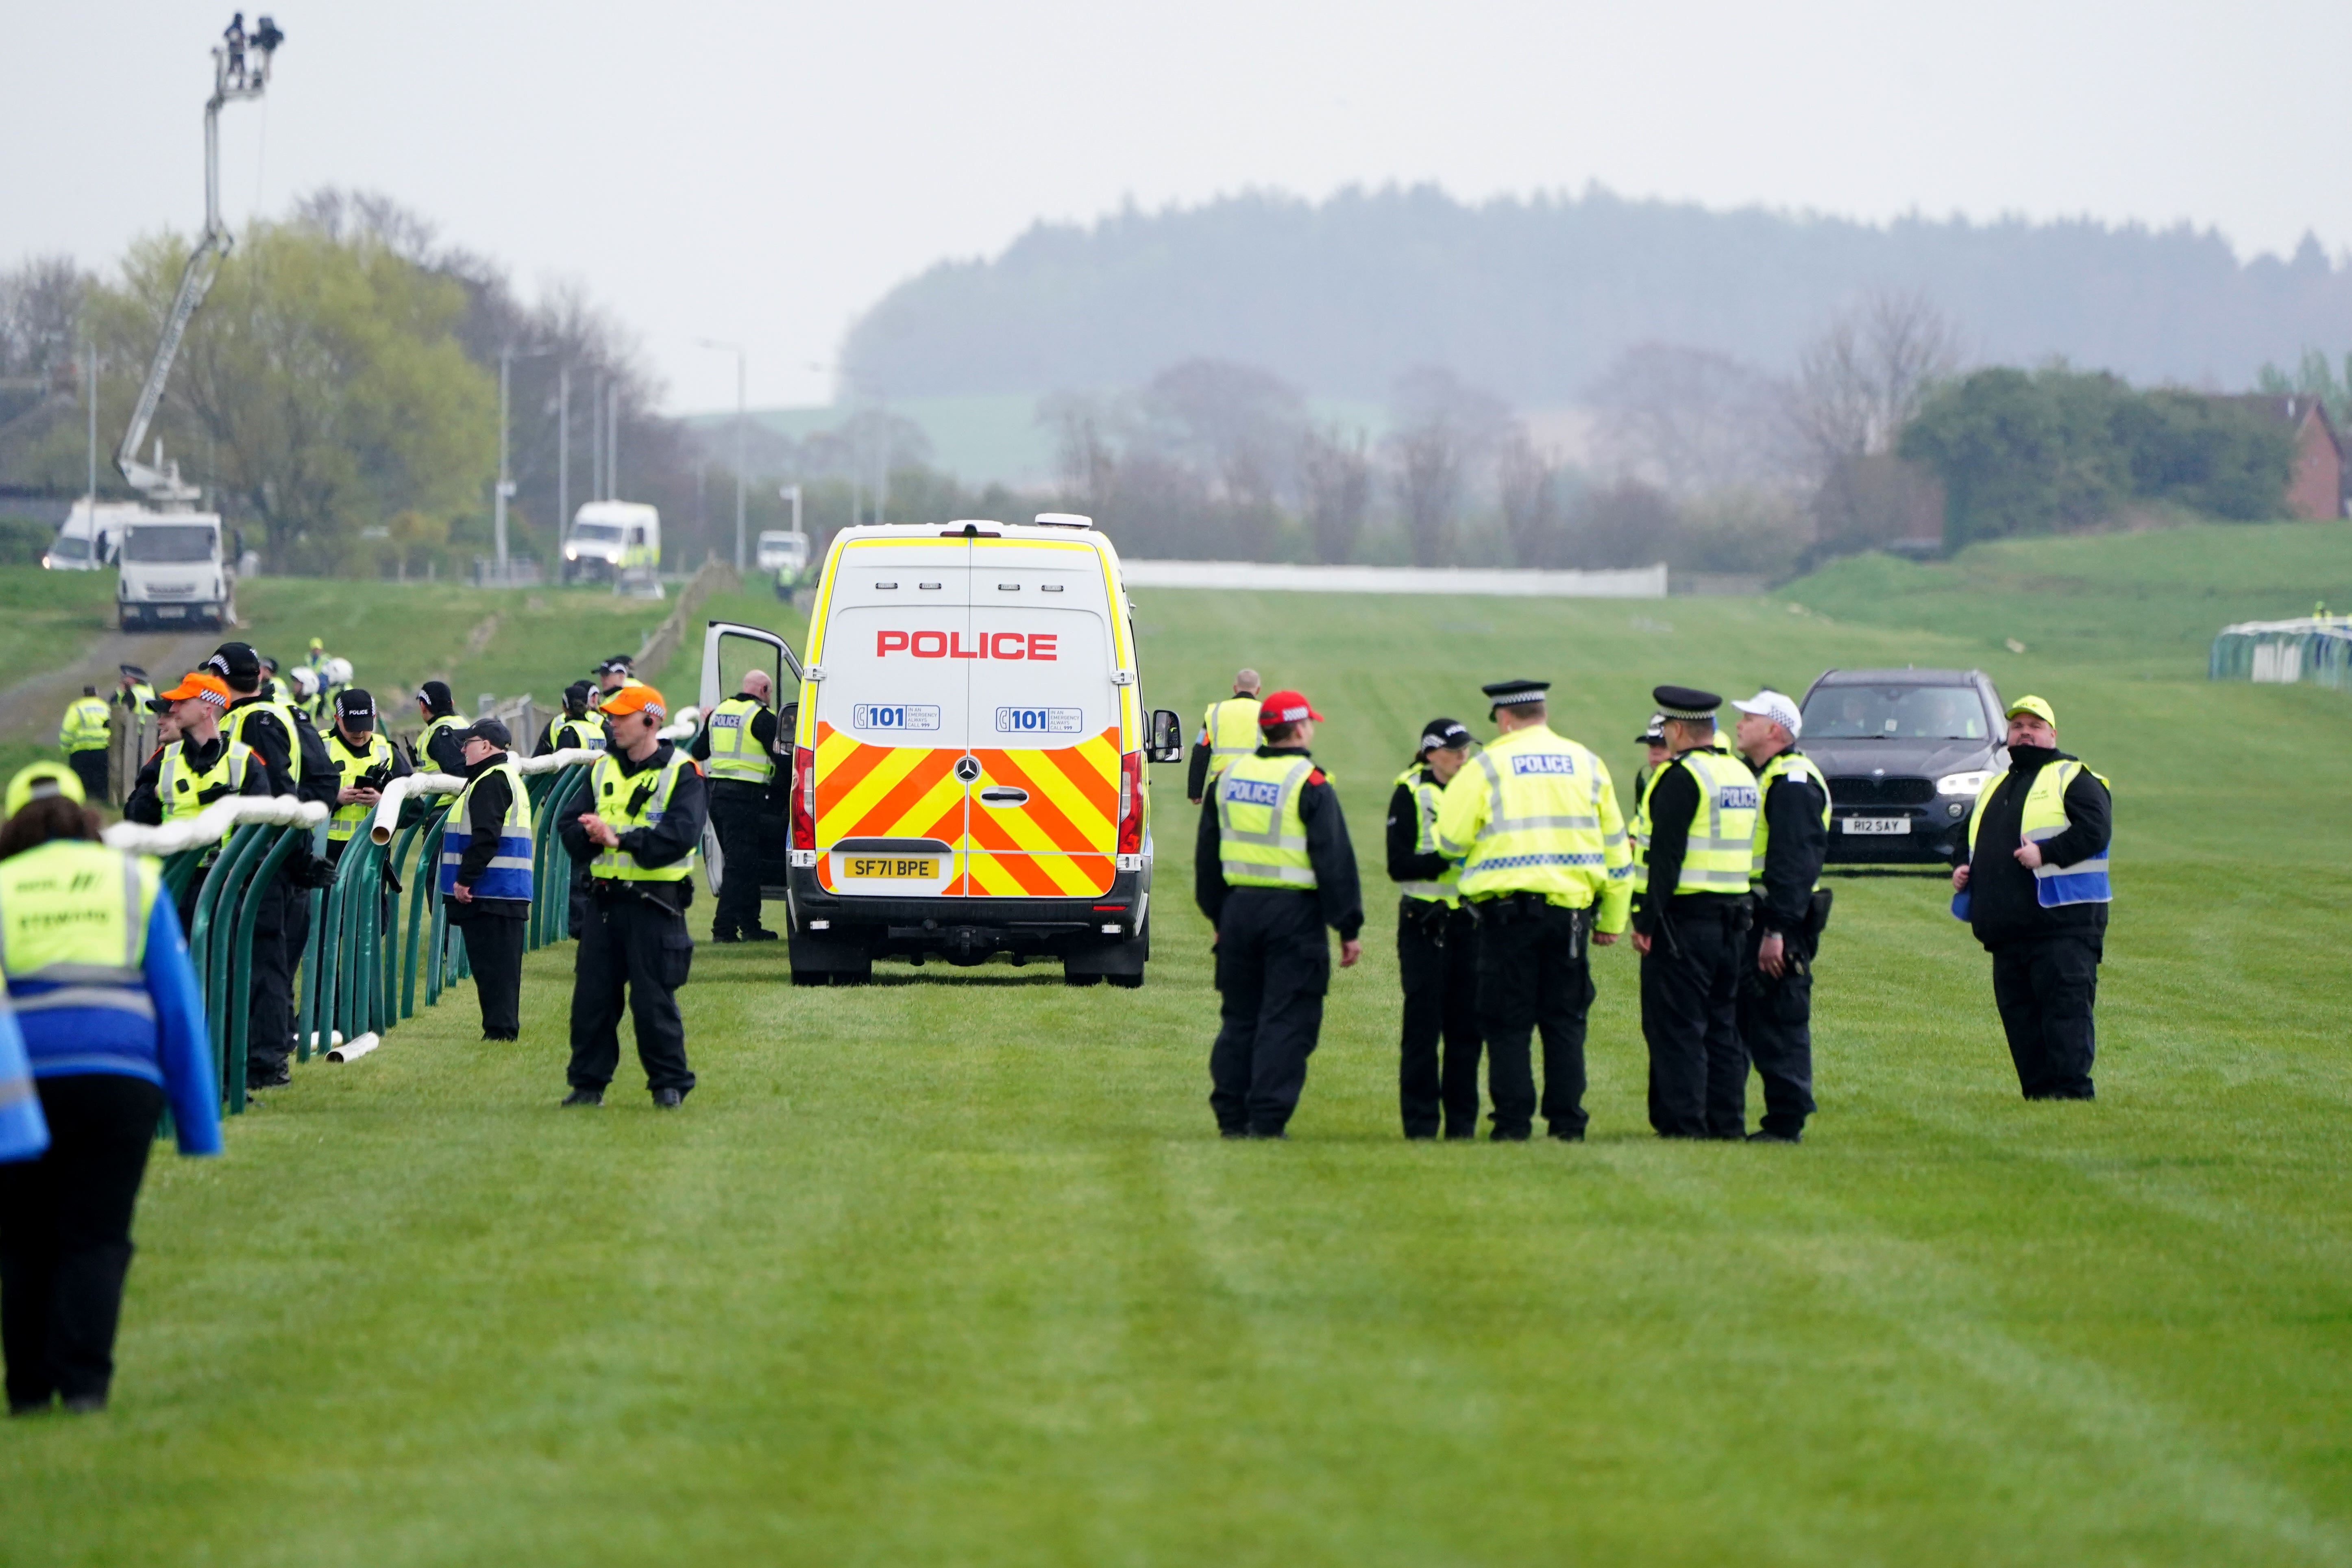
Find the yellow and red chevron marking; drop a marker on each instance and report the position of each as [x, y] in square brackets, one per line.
[1059, 843]
[886, 792]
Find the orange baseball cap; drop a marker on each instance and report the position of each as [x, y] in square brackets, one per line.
[629, 699]
[196, 683]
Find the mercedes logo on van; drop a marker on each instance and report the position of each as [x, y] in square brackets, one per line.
[967, 768]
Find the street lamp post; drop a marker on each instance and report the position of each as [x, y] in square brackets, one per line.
[508, 354]
[740, 361]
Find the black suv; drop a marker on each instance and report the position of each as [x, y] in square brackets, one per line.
[1905, 752]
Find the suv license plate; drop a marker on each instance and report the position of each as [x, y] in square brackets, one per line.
[897, 867]
[1878, 825]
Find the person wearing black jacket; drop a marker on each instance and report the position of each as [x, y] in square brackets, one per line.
[1776, 970]
[2039, 903]
[736, 748]
[1688, 933]
[1437, 948]
[492, 926]
[646, 807]
[296, 761]
[1273, 963]
[440, 747]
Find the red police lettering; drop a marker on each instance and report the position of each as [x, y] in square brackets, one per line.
[989, 645]
[998, 642]
[889, 642]
[956, 650]
[1042, 644]
[939, 645]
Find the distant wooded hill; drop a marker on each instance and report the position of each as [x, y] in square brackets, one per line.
[1532, 298]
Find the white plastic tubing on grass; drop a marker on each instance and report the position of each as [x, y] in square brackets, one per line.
[351, 1050]
[387, 810]
[214, 823]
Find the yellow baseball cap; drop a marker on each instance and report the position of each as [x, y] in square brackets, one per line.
[2033, 705]
[40, 781]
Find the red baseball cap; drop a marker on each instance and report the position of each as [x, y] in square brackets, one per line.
[1284, 708]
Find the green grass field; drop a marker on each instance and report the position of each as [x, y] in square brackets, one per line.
[953, 1268]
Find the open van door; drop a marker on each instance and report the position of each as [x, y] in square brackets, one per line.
[729, 648]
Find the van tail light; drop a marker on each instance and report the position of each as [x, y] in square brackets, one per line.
[804, 798]
[1131, 802]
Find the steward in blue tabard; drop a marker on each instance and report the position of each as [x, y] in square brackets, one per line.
[486, 877]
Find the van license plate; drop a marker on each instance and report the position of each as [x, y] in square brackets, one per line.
[899, 867]
[171, 611]
[1878, 825]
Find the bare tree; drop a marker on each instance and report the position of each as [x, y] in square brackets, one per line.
[1336, 472]
[1234, 424]
[1444, 428]
[1085, 430]
[40, 305]
[1527, 486]
[1862, 381]
[1689, 420]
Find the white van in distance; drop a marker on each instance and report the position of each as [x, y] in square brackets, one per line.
[968, 766]
[608, 538]
[92, 536]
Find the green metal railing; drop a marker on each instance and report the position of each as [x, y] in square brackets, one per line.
[376, 930]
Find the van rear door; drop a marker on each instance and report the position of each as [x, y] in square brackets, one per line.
[891, 719]
[1045, 722]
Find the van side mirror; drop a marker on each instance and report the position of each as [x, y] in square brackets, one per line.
[1167, 737]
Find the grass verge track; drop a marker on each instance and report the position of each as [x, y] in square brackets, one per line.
[952, 1267]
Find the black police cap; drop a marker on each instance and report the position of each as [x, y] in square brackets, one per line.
[1447, 732]
[1686, 701]
[1514, 693]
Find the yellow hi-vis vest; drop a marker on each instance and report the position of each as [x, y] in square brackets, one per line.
[137, 695]
[1261, 837]
[1426, 793]
[1534, 813]
[508, 876]
[350, 764]
[734, 754]
[247, 707]
[1786, 765]
[641, 800]
[579, 735]
[84, 729]
[1229, 728]
[73, 920]
[1721, 851]
[434, 727]
[2045, 816]
[185, 790]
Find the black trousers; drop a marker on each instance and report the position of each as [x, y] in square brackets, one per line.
[283, 923]
[1274, 965]
[1437, 958]
[90, 767]
[2047, 990]
[1698, 1074]
[1776, 1029]
[633, 951]
[65, 1236]
[494, 949]
[735, 814]
[1534, 972]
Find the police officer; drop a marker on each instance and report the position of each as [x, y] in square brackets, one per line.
[577, 728]
[647, 807]
[486, 877]
[1545, 866]
[1700, 813]
[1438, 947]
[364, 761]
[295, 761]
[195, 765]
[1229, 728]
[133, 690]
[615, 673]
[736, 748]
[276, 687]
[1790, 907]
[1272, 867]
[2035, 893]
[82, 737]
[437, 747]
[1652, 740]
[114, 1025]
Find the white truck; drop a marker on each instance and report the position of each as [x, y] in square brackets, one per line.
[612, 539]
[174, 573]
[91, 535]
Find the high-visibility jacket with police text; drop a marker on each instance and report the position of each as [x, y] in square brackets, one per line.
[1721, 853]
[627, 801]
[1536, 813]
[735, 753]
[84, 729]
[348, 819]
[1261, 836]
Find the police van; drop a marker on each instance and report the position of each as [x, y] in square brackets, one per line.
[967, 775]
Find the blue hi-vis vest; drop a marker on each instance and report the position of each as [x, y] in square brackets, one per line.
[2043, 817]
[508, 876]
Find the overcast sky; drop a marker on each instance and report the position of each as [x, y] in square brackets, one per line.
[763, 172]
